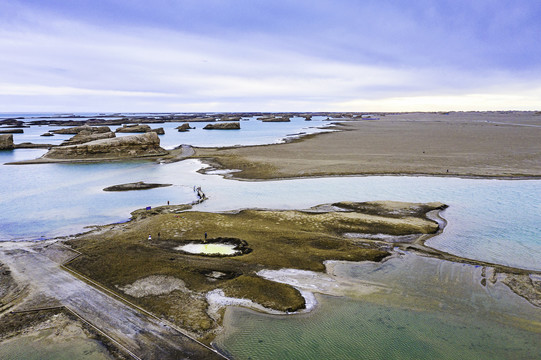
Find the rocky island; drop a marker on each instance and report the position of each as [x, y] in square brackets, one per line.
[139, 128]
[140, 185]
[268, 239]
[6, 142]
[126, 147]
[223, 126]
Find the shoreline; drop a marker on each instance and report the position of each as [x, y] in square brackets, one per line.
[463, 145]
[229, 174]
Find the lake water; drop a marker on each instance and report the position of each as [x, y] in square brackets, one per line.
[57, 199]
[252, 132]
[457, 319]
[442, 309]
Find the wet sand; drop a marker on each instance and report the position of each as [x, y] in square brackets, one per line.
[470, 144]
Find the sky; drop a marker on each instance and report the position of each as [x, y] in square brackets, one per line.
[269, 55]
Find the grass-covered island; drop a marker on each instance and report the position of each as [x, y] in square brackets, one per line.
[156, 275]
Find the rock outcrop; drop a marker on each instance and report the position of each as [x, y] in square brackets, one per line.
[78, 129]
[14, 123]
[29, 145]
[12, 131]
[140, 185]
[125, 147]
[139, 128]
[223, 126]
[6, 142]
[136, 128]
[85, 136]
[184, 127]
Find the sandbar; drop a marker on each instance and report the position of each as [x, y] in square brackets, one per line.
[465, 144]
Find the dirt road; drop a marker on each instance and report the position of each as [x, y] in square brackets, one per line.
[38, 267]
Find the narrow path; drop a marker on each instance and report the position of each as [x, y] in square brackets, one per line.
[145, 336]
[180, 153]
[187, 151]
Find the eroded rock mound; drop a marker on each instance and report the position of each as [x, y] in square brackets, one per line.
[223, 126]
[132, 146]
[86, 136]
[6, 142]
[140, 185]
[77, 129]
[136, 128]
[29, 145]
[184, 127]
[139, 128]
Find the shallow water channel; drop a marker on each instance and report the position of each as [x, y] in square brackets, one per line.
[414, 308]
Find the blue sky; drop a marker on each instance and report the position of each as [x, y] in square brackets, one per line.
[269, 55]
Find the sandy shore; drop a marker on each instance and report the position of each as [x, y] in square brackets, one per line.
[458, 144]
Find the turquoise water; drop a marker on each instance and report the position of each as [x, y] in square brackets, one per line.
[425, 309]
[491, 220]
[345, 328]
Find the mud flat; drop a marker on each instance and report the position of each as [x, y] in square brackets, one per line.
[53, 333]
[468, 144]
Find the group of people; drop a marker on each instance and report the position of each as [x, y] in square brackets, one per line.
[200, 195]
[199, 192]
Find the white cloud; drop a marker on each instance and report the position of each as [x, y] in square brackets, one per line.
[61, 65]
[528, 100]
[43, 90]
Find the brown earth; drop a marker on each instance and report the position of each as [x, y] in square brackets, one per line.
[475, 144]
[121, 256]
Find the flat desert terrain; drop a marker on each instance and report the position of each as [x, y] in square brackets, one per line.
[477, 144]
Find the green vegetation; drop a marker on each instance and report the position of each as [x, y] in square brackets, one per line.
[118, 255]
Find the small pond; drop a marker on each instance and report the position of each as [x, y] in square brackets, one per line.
[209, 249]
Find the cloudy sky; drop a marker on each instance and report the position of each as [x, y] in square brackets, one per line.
[269, 55]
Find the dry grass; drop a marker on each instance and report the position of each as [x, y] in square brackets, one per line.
[121, 254]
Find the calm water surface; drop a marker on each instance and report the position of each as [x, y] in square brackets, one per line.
[492, 220]
[425, 309]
